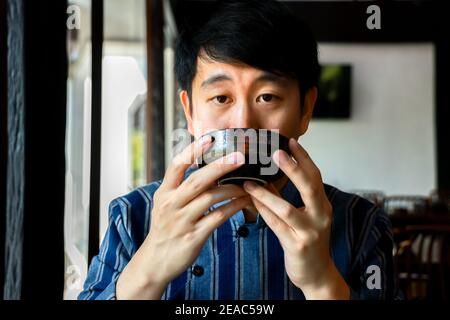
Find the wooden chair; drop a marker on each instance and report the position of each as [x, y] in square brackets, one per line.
[406, 204]
[440, 201]
[422, 261]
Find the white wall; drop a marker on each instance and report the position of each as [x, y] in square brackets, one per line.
[123, 81]
[388, 144]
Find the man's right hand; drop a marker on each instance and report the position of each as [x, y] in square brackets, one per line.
[179, 226]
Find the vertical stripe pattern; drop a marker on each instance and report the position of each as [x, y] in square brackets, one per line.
[247, 266]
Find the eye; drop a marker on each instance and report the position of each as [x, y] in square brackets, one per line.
[267, 97]
[221, 99]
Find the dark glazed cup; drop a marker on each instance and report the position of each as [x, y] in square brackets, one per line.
[257, 145]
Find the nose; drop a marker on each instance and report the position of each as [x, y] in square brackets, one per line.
[244, 117]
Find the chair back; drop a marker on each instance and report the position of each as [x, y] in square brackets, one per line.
[422, 261]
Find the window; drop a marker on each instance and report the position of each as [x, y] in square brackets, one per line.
[124, 136]
[78, 142]
[124, 87]
[124, 99]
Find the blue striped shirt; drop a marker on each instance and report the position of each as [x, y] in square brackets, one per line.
[243, 260]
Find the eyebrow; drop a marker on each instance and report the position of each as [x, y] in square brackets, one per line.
[271, 77]
[265, 77]
[215, 79]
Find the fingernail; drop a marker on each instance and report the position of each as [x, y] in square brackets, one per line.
[235, 158]
[205, 140]
[240, 158]
[193, 166]
[282, 157]
[294, 142]
[249, 185]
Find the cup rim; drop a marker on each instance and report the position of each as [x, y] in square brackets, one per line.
[245, 129]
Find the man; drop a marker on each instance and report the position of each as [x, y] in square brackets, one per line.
[252, 65]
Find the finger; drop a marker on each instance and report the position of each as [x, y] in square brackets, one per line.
[299, 153]
[197, 207]
[303, 173]
[272, 189]
[182, 161]
[278, 226]
[218, 216]
[201, 180]
[283, 209]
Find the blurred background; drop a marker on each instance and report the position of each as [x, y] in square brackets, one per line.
[89, 104]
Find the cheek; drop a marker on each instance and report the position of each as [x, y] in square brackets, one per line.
[205, 121]
[287, 120]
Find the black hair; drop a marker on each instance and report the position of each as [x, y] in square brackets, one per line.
[263, 34]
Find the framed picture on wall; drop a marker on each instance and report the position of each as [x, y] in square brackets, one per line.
[334, 96]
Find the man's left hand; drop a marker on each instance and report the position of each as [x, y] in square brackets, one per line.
[304, 233]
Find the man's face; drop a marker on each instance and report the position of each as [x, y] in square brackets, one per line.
[239, 96]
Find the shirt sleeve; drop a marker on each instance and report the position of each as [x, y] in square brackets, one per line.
[373, 275]
[107, 266]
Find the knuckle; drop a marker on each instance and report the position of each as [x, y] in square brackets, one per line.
[314, 190]
[221, 214]
[176, 165]
[319, 174]
[160, 192]
[306, 154]
[178, 215]
[164, 205]
[307, 239]
[295, 170]
[157, 194]
[291, 166]
[218, 165]
[327, 222]
[286, 212]
[161, 201]
[300, 246]
[189, 237]
[257, 192]
[176, 161]
[194, 183]
[208, 197]
[275, 223]
[317, 170]
[313, 236]
[328, 209]
[324, 209]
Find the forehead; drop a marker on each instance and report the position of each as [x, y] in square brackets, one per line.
[207, 67]
[209, 70]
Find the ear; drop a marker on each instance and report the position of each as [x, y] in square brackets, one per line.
[307, 109]
[184, 98]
